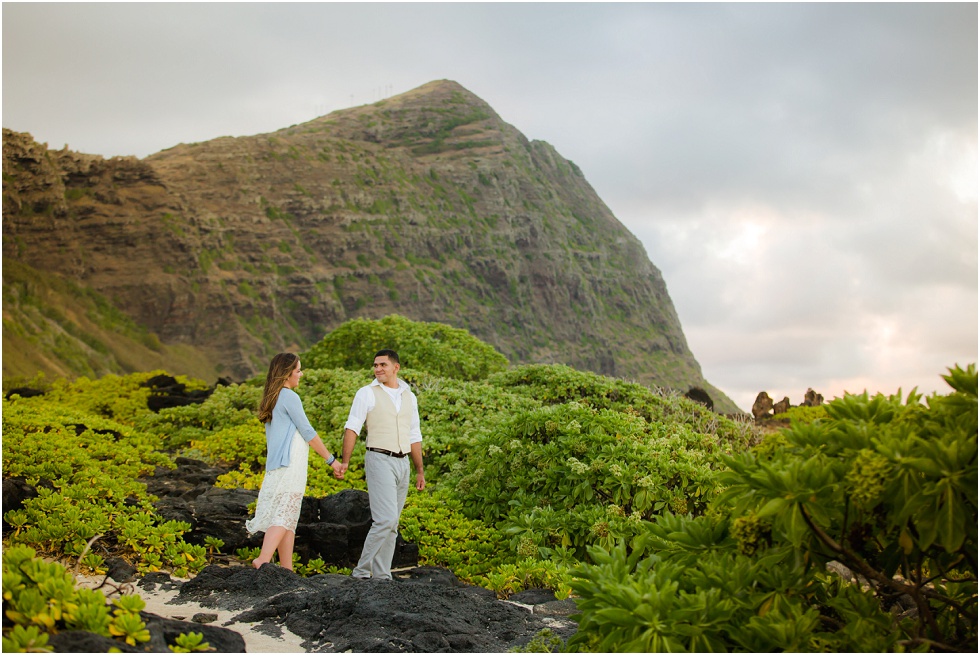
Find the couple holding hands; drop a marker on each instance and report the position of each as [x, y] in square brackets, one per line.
[389, 409]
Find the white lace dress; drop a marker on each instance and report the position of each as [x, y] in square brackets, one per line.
[281, 494]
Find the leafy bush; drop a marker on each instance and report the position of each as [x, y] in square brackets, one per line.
[560, 478]
[86, 469]
[531, 573]
[885, 489]
[544, 642]
[555, 384]
[239, 444]
[456, 413]
[472, 549]
[192, 642]
[40, 597]
[122, 398]
[229, 406]
[435, 348]
[804, 414]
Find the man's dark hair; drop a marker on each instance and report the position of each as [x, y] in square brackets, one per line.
[389, 353]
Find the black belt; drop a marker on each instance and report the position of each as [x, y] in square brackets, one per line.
[387, 452]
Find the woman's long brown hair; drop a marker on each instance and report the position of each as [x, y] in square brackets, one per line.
[280, 369]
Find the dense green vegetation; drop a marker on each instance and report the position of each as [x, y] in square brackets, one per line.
[435, 348]
[886, 489]
[79, 446]
[672, 526]
[40, 597]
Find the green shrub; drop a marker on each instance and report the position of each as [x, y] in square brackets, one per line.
[40, 598]
[804, 414]
[544, 642]
[227, 407]
[556, 384]
[87, 471]
[435, 348]
[456, 413]
[560, 478]
[122, 398]
[192, 642]
[471, 548]
[886, 489]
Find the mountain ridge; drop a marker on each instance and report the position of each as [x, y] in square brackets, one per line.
[426, 204]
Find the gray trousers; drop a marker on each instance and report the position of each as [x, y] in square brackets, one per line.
[387, 482]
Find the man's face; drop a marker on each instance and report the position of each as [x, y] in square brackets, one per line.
[385, 370]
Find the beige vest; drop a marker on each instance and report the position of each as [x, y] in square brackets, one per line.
[387, 429]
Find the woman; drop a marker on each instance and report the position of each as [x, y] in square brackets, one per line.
[288, 437]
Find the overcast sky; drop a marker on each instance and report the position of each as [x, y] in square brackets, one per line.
[805, 176]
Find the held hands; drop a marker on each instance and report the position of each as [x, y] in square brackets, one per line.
[338, 469]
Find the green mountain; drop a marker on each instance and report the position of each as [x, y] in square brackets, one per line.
[426, 205]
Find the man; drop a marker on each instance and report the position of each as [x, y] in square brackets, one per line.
[391, 412]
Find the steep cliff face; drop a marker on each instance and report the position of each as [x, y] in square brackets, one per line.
[426, 204]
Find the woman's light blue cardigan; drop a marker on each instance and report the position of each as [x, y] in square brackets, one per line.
[287, 416]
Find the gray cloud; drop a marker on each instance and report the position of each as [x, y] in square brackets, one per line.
[805, 175]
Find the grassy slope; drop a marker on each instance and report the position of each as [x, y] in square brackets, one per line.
[57, 328]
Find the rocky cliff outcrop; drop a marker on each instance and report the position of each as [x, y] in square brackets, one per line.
[426, 204]
[764, 408]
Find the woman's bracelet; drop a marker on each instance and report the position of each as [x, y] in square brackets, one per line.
[331, 460]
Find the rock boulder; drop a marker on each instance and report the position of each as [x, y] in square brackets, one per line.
[332, 528]
[762, 407]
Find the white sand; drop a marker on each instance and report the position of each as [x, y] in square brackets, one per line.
[157, 602]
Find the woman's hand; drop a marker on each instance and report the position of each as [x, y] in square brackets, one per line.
[338, 469]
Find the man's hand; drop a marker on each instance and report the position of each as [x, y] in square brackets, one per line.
[339, 469]
[417, 465]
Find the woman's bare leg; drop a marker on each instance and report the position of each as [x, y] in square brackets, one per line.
[270, 542]
[286, 550]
